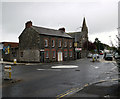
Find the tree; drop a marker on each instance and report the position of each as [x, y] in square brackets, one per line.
[118, 38]
[87, 45]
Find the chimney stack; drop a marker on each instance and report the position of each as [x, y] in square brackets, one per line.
[28, 24]
[62, 29]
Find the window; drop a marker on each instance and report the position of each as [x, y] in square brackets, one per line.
[53, 54]
[14, 54]
[65, 44]
[21, 54]
[59, 43]
[70, 53]
[65, 53]
[46, 43]
[70, 44]
[47, 55]
[53, 43]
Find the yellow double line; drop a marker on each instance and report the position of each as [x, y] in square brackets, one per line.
[70, 92]
[79, 89]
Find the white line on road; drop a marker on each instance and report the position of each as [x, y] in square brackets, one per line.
[49, 69]
[65, 66]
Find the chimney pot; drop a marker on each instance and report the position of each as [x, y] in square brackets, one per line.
[62, 29]
[28, 24]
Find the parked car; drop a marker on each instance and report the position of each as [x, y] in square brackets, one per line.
[101, 52]
[90, 55]
[108, 57]
[116, 56]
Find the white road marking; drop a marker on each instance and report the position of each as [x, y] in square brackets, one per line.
[96, 67]
[49, 69]
[65, 66]
[114, 68]
[40, 69]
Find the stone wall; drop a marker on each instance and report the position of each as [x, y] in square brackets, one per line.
[29, 56]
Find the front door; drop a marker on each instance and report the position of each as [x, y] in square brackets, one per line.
[60, 57]
[42, 56]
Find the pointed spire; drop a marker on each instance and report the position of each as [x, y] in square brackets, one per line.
[84, 26]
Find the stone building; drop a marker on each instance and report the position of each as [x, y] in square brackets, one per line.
[38, 44]
[79, 39]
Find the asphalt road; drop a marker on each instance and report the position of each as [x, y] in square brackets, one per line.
[40, 80]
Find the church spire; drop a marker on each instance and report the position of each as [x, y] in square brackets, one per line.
[84, 26]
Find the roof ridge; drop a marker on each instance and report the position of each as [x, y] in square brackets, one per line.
[45, 28]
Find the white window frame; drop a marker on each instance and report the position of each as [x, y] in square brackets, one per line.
[71, 53]
[70, 44]
[53, 43]
[47, 54]
[46, 43]
[53, 54]
[65, 53]
[65, 44]
[59, 43]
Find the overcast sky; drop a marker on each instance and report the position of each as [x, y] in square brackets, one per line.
[101, 17]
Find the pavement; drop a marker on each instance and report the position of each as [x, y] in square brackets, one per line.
[99, 90]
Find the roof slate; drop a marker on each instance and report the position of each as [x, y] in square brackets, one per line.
[51, 32]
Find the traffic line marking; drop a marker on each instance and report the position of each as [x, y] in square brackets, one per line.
[79, 89]
[71, 91]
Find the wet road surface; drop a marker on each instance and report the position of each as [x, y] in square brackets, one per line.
[40, 80]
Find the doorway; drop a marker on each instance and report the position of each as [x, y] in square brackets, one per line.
[41, 56]
[60, 56]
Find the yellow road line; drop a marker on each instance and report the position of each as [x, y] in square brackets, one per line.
[70, 91]
[79, 89]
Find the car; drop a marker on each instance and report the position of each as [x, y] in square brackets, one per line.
[101, 52]
[116, 56]
[108, 57]
[90, 55]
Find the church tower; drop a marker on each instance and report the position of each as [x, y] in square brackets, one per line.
[84, 26]
[84, 30]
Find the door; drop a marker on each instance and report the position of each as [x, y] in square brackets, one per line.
[60, 57]
[42, 56]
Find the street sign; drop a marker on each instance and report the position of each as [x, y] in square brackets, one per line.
[78, 49]
[75, 44]
[42, 50]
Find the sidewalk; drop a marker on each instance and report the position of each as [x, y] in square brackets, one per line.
[103, 90]
[11, 63]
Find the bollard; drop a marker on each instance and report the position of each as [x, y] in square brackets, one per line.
[15, 60]
[93, 59]
[1, 59]
[7, 72]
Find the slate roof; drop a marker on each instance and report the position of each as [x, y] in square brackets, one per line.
[76, 35]
[51, 32]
